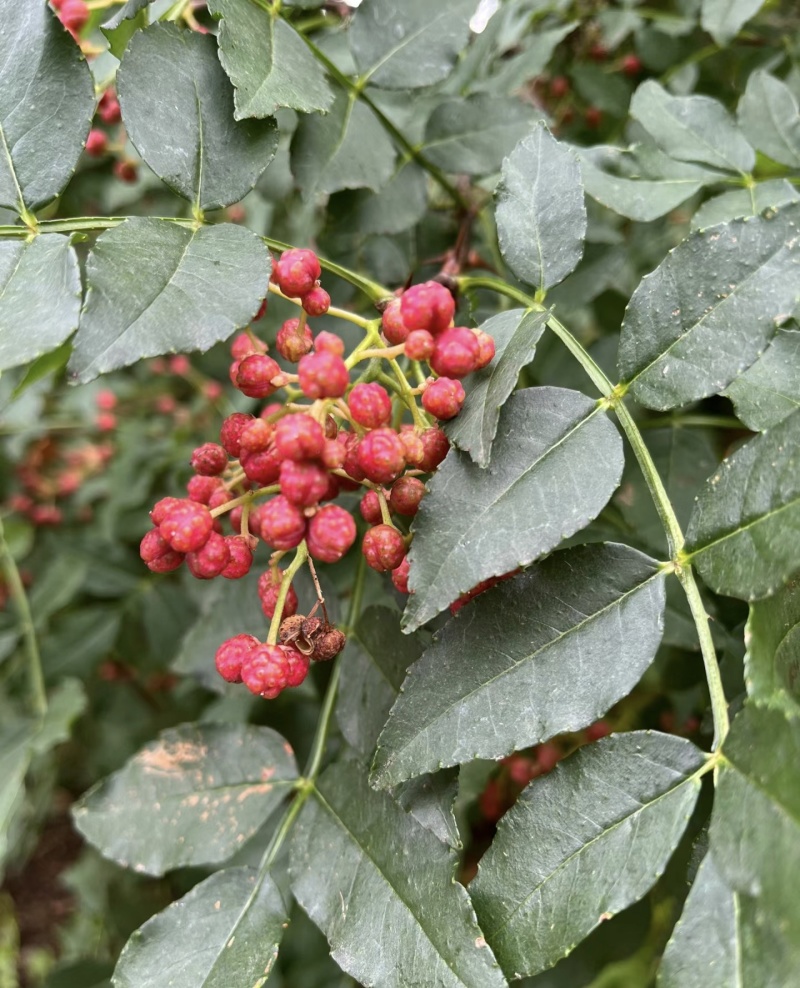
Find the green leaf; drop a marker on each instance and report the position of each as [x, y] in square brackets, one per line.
[65, 705]
[475, 523]
[745, 202]
[705, 946]
[472, 136]
[15, 757]
[120, 28]
[582, 843]
[128, 11]
[547, 652]
[770, 118]
[49, 363]
[411, 44]
[515, 335]
[345, 149]
[400, 204]
[267, 61]
[156, 287]
[46, 105]
[710, 308]
[430, 799]
[723, 19]
[692, 128]
[755, 841]
[192, 796]
[769, 391]
[40, 297]
[223, 933]
[208, 158]
[382, 890]
[744, 533]
[772, 662]
[541, 216]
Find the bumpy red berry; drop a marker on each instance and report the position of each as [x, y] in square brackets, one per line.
[219, 497]
[210, 559]
[486, 349]
[323, 375]
[241, 557]
[157, 553]
[96, 143]
[74, 14]
[283, 524]
[370, 508]
[400, 576]
[231, 656]
[405, 495]
[427, 306]
[256, 437]
[292, 343]
[413, 447]
[160, 508]
[210, 459]
[269, 585]
[317, 301]
[254, 375]
[187, 526]
[299, 437]
[381, 456]
[456, 353]
[333, 455]
[246, 343]
[264, 671]
[230, 435]
[384, 548]
[444, 398]
[303, 482]
[329, 343]
[420, 345]
[331, 533]
[262, 468]
[631, 65]
[200, 488]
[436, 445]
[296, 665]
[296, 272]
[370, 405]
[394, 329]
[108, 107]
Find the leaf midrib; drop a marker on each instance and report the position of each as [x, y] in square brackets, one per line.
[742, 528]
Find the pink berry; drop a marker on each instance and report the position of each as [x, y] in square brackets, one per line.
[96, 143]
[187, 526]
[292, 343]
[230, 435]
[210, 559]
[74, 14]
[231, 656]
[157, 553]
[631, 65]
[125, 171]
[486, 349]
[201, 488]
[296, 272]
[256, 436]
[598, 730]
[444, 398]
[370, 508]
[413, 448]
[384, 548]
[160, 508]
[105, 400]
[297, 665]
[317, 301]
[333, 455]
[400, 576]
[323, 375]
[254, 375]
[303, 482]
[394, 329]
[427, 306]
[299, 437]
[405, 495]
[329, 343]
[261, 468]
[108, 108]
[244, 344]
[241, 557]
[456, 354]
[351, 465]
[436, 445]
[370, 405]
[283, 524]
[269, 585]
[210, 459]
[420, 345]
[219, 497]
[264, 670]
[381, 456]
[331, 533]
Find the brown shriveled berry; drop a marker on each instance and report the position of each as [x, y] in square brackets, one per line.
[328, 645]
[291, 628]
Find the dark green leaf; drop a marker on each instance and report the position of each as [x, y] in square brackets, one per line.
[44, 366]
[772, 663]
[46, 105]
[128, 11]
[430, 799]
[744, 533]
[769, 390]
[119, 29]
[705, 946]
[515, 335]
[755, 841]
[709, 309]
[15, 756]
[410, 44]
[472, 136]
[192, 796]
[400, 204]
[547, 652]
[224, 933]
[156, 287]
[723, 19]
[541, 217]
[65, 705]
[512, 73]
[381, 888]
[692, 128]
[40, 297]
[347, 148]
[171, 82]
[744, 202]
[582, 843]
[267, 61]
[555, 463]
[770, 118]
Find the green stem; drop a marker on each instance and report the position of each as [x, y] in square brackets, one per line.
[332, 311]
[408, 397]
[288, 575]
[26, 627]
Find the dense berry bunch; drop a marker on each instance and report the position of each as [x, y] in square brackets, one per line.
[276, 471]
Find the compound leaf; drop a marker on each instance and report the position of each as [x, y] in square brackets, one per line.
[744, 533]
[192, 796]
[156, 287]
[772, 662]
[547, 652]
[770, 118]
[769, 390]
[745, 202]
[556, 461]
[171, 83]
[381, 889]
[582, 843]
[723, 19]
[541, 215]
[225, 932]
[710, 308]
[40, 297]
